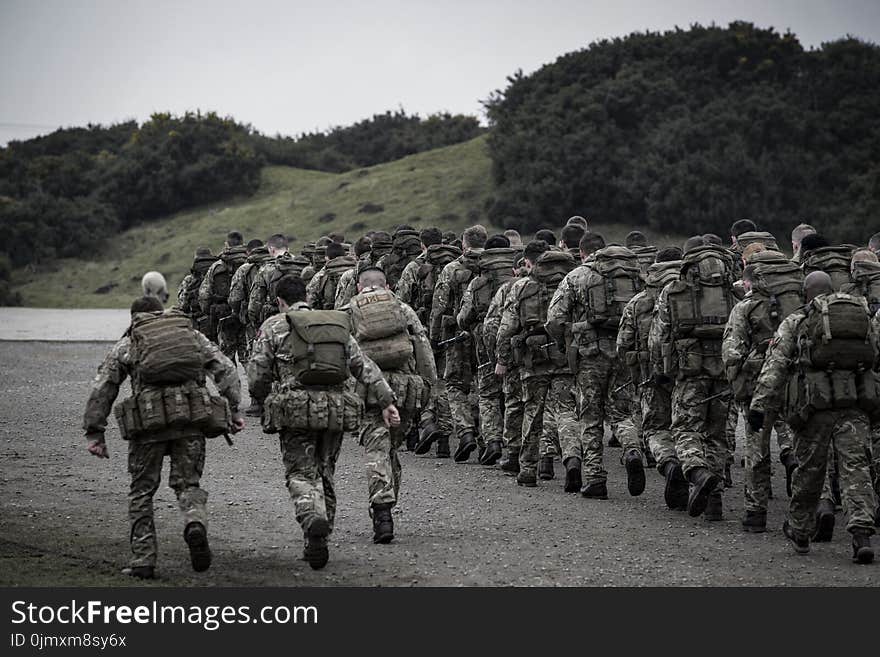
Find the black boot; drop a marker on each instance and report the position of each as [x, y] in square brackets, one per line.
[526, 478]
[675, 493]
[510, 465]
[703, 483]
[801, 543]
[573, 481]
[545, 468]
[316, 551]
[492, 453]
[429, 433]
[140, 572]
[635, 472]
[714, 510]
[595, 490]
[755, 522]
[824, 522]
[443, 446]
[862, 551]
[412, 438]
[466, 445]
[383, 525]
[789, 460]
[196, 537]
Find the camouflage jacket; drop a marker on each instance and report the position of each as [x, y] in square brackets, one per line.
[493, 318]
[569, 306]
[408, 286]
[243, 281]
[206, 290]
[117, 366]
[183, 292]
[628, 331]
[267, 350]
[661, 330]
[778, 364]
[447, 296]
[314, 288]
[737, 347]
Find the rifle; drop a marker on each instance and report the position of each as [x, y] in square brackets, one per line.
[461, 337]
[721, 395]
[642, 384]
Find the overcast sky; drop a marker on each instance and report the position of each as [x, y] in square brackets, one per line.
[295, 66]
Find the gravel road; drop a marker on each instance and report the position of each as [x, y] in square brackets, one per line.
[63, 514]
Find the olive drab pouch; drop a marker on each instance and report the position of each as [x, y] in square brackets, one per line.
[837, 334]
[843, 389]
[868, 392]
[701, 300]
[833, 260]
[818, 394]
[305, 409]
[690, 357]
[164, 349]
[380, 328]
[177, 406]
[128, 419]
[318, 346]
[151, 408]
[633, 366]
[615, 279]
[757, 237]
[448, 327]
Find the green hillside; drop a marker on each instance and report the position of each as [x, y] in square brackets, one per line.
[447, 187]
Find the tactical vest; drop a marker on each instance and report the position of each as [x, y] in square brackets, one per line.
[164, 349]
[231, 260]
[380, 329]
[756, 237]
[616, 279]
[533, 347]
[865, 283]
[333, 271]
[436, 258]
[833, 260]
[496, 268]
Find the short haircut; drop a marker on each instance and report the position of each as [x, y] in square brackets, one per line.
[546, 235]
[752, 249]
[515, 239]
[401, 227]
[636, 238]
[277, 241]
[146, 305]
[339, 238]
[591, 242]
[579, 221]
[692, 243]
[291, 289]
[324, 240]
[535, 249]
[497, 242]
[874, 242]
[572, 234]
[813, 241]
[474, 237]
[449, 237]
[431, 236]
[668, 254]
[864, 255]
[800, 232]
[234, 238]
[373, 274]
[363, 245]
[742, 226]
[712, 238]
[335, 250]
[381, 236]
[254, 244]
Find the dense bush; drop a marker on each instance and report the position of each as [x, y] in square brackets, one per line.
[692, 130]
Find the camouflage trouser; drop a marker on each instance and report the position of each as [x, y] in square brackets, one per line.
[381, 445]
[233, 345]
[597, 377]
[730, 430]
[491, 403]
[757, 457]
[698, 429]
[875, 464]
[437, 409]
[145, 467]
[549, 445]
[656, 402]
[459, 379]
[513, 409]
[849, 432]
[309, 466]
[546, 396]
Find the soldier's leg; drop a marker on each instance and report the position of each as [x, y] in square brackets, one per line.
[549, 444]
[534, 395]
[513, 410]
[327, 454]
[730, 429]
[304, 473]
[564, 411]
[592, 390]
[811, 448]
[145, 468]
[852, 441]
[187, 464]
[458, 374]
[657, 423]
[689, 422]
[714, 436]
[491, 403]
[619, 408]
[376, 440]
[756, 450]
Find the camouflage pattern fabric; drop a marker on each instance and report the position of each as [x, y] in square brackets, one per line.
[757, 460]
[547, 398]
[733, 410]
[309, 459]
[656, 404]
[381, 446]
[698, 428]
[514, 408]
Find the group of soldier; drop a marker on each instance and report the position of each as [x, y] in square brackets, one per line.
[520, 353]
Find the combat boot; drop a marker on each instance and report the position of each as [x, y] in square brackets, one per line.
[862, 551]
[466, 445]
[755, 522]
[492, 453]
[196, 537]
[429, 433]
[545, 468]
[526, 478]
[824, 522]
[254, 410]
[383, 524]
[675, 492]
[573, 481]
[443, 446]
[714, 510]
[510, 465]
[789, 461]
[595, 490]
[140, 572]
[412, 438]
[703, 483]
[635, 472]
[801, 543]
[316, 551]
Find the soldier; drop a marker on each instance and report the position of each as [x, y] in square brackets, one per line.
[408, 287]
[263, 300]
[832, 348]
[188, 290]
[242, 283]
[570, 240]
[685, 342]
[797, 236]
[496, 268]
[580, 221]
[523, 341]
[546, 235]
[170, 413]
[391, 335]
[874, 244]
[459, 366]
[153, 285]
[214, 296]
[318, 259]
[653, 398]
[514, 238]
[346, 288]
[637, 242]
[321, 290]
[773, 287]
[382, 245]
[405, 248]
[305, 357]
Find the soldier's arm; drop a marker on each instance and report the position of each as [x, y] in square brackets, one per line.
[775, 372]
[559, 312]
[660, 331]
[368, 373]
[440, 302]
[736, 344]
[420, 334]
[236, 290]
[222, 371]
[343, 289]
[626, 334]
[256, 298]
[313, 286]
[205, 288]
[493, 319]
[467, 316]
[405, 284]
[181, 291]
[508, 327]
[105, 388]
[260, 370]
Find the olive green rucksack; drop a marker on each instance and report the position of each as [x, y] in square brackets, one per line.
[646, 256]
[778, 285]
[333, 271]
[380, 328]
[837, 335]
[534, 300]
[436, 258]
[756, 237]
[866, 283]
[284, 265]
[231, 260]
[701, 300]
[496, 268]
[318, 346]
[164, 349]
[615, 280]
[659, 275]
[833, 260]
[406, 247]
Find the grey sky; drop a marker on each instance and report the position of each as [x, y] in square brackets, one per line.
[296, 66]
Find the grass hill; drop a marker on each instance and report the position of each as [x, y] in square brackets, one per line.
[447, 187]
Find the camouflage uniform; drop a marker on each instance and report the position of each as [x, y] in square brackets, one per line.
[185, 445]
[188, 291]
[309, 456]
[847, 430]
[240, 290]
[214, 302]
[260, 304]
[346, 288]
[408, 289]
[512, 382]
[319, 298]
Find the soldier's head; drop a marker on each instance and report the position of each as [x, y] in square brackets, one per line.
[740, 227]
[712, 238]
[513, 237]
[277, 245]
[590, 243]
[862, 255]
[372, 278]
[153, 285]
[752, 249]
[571, 236]
[430, 236]
[874, 243]
[813, 241]
[382, 244]
[474, 238]
[449, 237]
[748, 277]
[816, 283]
[339, 238]
[578, 220]
[290, 289]
[253, 244]
[668, 254]
[334, 250]
[234, 238]
[798, 234]
[635, 238]
[146, 305]
[497, 242]
[534, 250]
[546, 235]
[362, 246]
[692, 243]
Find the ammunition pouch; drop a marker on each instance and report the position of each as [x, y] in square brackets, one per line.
[743, 384]
[311, 409]
[697, 357]
[409, 389]
[816, 390]
[157, 409]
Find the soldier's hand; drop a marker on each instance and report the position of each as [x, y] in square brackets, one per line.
[756, 420]
[237, 422]
[97, 447]
[500, 370]
[391, 416]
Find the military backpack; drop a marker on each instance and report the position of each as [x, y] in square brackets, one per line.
[333, 271]
[866, 283]
[646, 255]
[615, 279]
[778, 285]
[496, 268]
[406, 246]
[701, 300]
[164, 349]
[284, 265]
[436, 258]
[833, 260]
[380, 328]
[231, 260]
[756, 237]
[317, 347]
